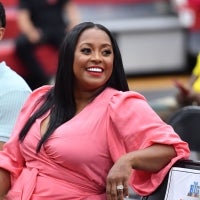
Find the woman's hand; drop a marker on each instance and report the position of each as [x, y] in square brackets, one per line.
[151, 159]
[118, 178]
[5, 183]
[184, 99]
[194, 98]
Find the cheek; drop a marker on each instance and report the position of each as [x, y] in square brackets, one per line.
[76, 69]
[110, 64]
[78, 63]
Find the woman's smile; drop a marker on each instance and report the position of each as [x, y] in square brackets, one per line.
[95, 71]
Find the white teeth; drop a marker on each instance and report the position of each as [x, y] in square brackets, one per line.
[94, 69]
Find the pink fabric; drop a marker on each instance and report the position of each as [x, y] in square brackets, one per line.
[74, 162]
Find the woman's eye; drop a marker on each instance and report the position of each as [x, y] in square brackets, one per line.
[107, 52]
[86, 50]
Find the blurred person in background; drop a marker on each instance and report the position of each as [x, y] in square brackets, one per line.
[189, 15]
[186, 94]
[190, 94]
[188, 12]
[42, 22]
[13, 91]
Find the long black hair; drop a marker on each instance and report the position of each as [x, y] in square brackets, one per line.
[2, 16]
[60, 98]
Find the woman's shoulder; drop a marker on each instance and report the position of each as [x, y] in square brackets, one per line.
[42, 89]
[33, 100]
[38, 93]
[119, 100]
[117, 95]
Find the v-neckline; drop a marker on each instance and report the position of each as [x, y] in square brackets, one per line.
[43, 118]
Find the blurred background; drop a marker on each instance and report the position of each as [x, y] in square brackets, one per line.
[155, 37]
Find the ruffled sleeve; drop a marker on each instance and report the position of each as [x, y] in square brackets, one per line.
[134, 125]
[11, 158]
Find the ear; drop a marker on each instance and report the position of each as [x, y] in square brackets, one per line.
[2, 30]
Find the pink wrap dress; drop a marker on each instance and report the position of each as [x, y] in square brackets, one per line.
[75, 160]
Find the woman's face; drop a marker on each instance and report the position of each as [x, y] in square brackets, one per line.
[93, 60]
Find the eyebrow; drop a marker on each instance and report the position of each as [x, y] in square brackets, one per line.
[90, 44]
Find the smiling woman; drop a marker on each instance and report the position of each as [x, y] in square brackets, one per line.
[123, 141]
[93, 60]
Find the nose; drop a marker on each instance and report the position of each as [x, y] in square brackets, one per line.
[96, 57]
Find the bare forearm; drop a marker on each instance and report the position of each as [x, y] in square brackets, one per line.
[5, 182]
[152, 158]
[72, 14]
[24, 22]
[1, 145]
